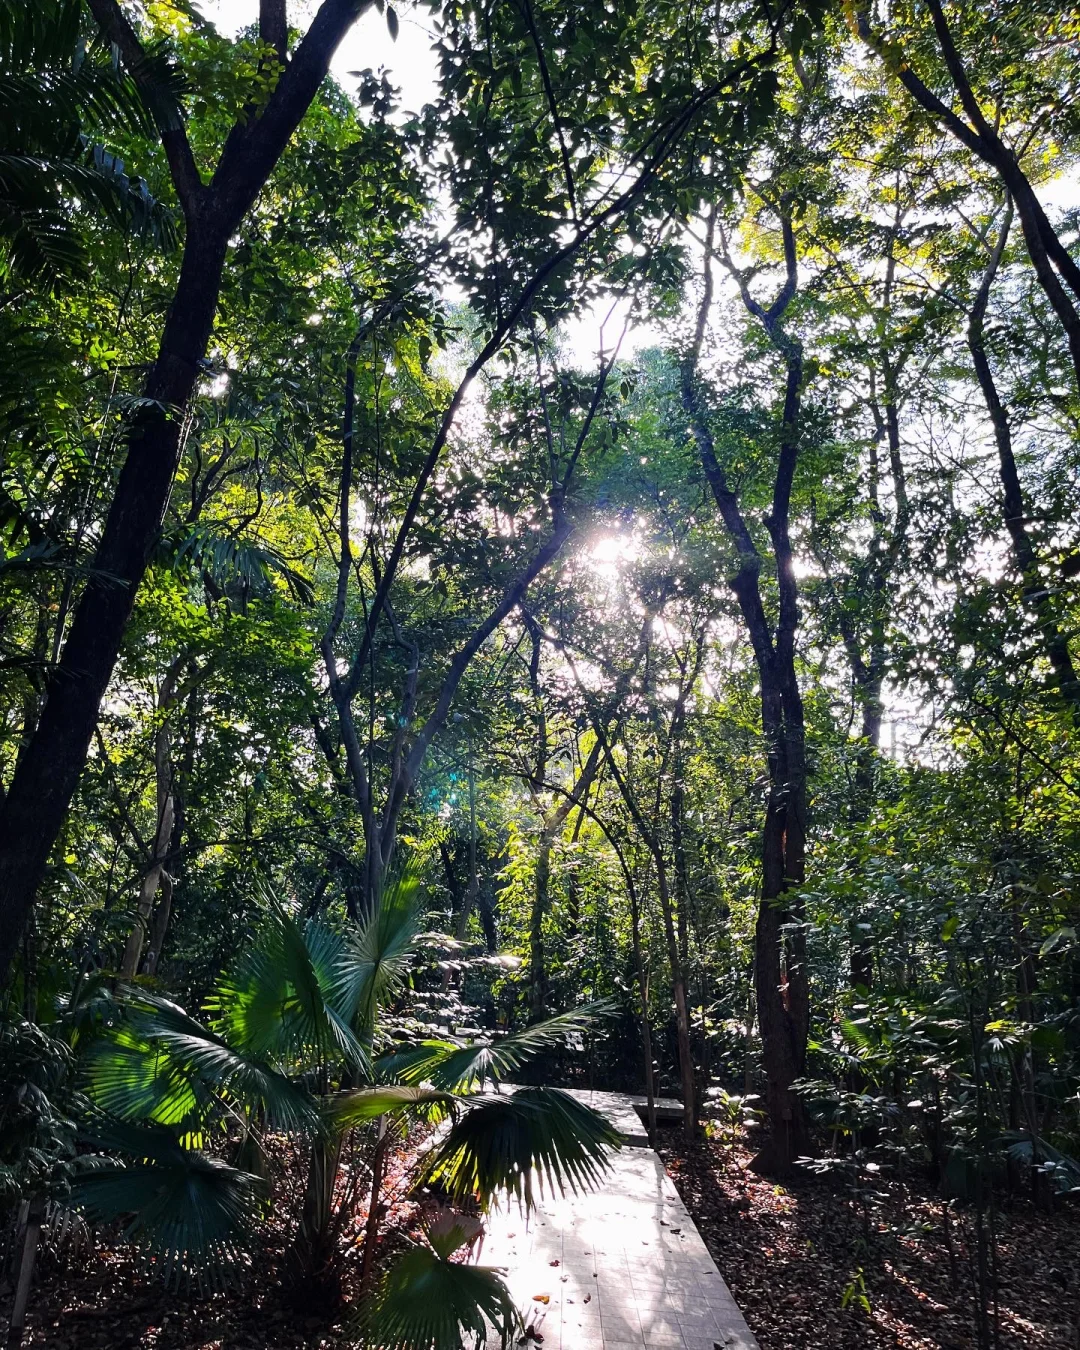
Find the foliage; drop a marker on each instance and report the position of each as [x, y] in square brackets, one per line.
[659, 448]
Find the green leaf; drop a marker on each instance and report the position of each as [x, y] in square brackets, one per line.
[464, 1068]
[278, 1001]
[508, 1143]
[373, 964]
[429, 1303]
[358, 1105]
[193, 1212]
[1063, 937]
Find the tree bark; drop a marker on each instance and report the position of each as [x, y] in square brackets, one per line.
[48, 773]
[554, 820]
[652, 840]
[156, 876]
[1036, 593]
[46, 776]
[30, 1232]
[274, 26]
[781, 986]
[643, 994]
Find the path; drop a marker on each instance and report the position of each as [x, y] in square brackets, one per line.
[620, 1268]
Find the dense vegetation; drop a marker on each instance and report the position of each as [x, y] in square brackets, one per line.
[607, 538]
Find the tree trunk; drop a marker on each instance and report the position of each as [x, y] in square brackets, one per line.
[643, 993]
[781, 984]
[682, 1007]
[1044, 247]
[780, 971]
[160, 925]
[540, 902]
[30, 1232]
[155, 876]
[553, 822]
[472, 890]
[309, 1263]
[371, 1228]
[48, 773]
[1037, 595]
[861, 972]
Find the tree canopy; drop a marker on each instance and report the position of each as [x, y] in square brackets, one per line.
[608, 536]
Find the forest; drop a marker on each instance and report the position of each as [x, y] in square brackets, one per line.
[567, 581]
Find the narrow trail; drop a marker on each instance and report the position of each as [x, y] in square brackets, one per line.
[621, 1268]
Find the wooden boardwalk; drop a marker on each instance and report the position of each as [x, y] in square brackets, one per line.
[620, 1268]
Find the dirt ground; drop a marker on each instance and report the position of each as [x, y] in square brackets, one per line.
[795, 1255]
[96, 1294]
[811, 1268]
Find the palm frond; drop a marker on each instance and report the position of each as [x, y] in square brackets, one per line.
[465, 1068]
[222, 1068]
[227, 559]
[414, 1063]
[511, 1143]
[375, 962]
[277, 1001]
[356, 1106]
[193, 1213]
[427, 1303]
[59, 96]
[127, 1076]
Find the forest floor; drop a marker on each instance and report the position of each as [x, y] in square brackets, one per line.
[792, 1257]
[789, 1254]
[97, 1294]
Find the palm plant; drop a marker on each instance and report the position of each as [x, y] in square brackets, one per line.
[296, 1040]
[56, 90]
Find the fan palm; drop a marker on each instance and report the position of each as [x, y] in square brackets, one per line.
[429, 1301]
[292, 1042]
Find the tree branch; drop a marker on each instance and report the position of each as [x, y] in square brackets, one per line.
[190, 188]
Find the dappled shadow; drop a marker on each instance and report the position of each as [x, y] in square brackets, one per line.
[794, 1254]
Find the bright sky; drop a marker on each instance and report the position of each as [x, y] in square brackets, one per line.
[368, 45]
[410, 64]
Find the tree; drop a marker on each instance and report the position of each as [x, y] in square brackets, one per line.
[48, 770]
[49, 767]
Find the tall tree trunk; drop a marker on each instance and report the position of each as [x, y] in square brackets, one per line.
[652, 840]
[1037, 595]
[155, 876]
[47, 774]
[541, 899]
[643, 995]
[160, 925]
[781, 987]
[781, 984]
[682, 1005]
[552, 824]
[472, 890]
